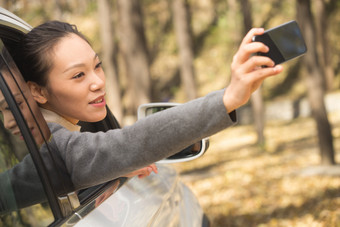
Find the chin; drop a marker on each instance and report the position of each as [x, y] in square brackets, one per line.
[97, 117]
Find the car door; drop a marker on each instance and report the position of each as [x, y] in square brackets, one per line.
[35, 188]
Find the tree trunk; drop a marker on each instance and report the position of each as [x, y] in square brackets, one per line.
[323, 44]
[183, 32]
[256, 98]
[135, 52]
[58, 10]
[315, 83]
[113, 97]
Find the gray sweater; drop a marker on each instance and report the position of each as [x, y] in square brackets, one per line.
[94, 158]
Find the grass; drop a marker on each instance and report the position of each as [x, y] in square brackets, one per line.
[241, 184]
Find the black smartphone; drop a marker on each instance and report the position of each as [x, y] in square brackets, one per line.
[285, 42]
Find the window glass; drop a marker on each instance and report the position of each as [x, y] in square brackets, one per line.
[23, 201]
[22, 197]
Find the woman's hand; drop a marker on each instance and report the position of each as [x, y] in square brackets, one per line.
[143, 172]
[247, 72]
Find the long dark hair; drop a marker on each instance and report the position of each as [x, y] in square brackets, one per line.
[33, 55]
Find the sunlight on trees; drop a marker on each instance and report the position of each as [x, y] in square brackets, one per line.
[145, 57]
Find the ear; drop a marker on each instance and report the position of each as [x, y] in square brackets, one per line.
[37, 92]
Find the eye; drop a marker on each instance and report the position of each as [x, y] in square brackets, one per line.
[20, 104]
[78, 75]
[99, 65]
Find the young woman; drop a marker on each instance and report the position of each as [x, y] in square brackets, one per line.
[65, 77]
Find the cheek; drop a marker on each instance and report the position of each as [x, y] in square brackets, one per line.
[7, 118]
[101, 75]
[63, 96]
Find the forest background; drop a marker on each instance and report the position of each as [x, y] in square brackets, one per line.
[177, 50]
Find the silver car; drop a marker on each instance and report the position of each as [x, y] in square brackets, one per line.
[35, 188]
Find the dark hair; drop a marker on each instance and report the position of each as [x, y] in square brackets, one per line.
[33, 56]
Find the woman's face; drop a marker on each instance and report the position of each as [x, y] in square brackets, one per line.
[76, 83]
[11, 124]
[23, 102]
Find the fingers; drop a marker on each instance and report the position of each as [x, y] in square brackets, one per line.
[245, 60]
[247, 51]
[247, 71]
[153, 168]
[253, 79]
[146, 171]
[253, 63]
[141, 176]
[242, 85]
[249, 48]
[249, 36]
[262, 73]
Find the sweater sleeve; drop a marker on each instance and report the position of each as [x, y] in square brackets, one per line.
[93, 158]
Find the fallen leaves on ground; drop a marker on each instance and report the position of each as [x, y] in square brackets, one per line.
[239, 183]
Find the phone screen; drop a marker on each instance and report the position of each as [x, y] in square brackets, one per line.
[284, 41]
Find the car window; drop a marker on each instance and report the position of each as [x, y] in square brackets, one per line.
[23, 201]
[21, 187]
[20, 190]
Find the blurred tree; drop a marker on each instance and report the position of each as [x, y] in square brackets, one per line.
[6, 146]
[6, 4]
[182, 22]
[256, 98]
[60, 7]
[315, 82]
[135, 52]
[324, 11]
[109, 55]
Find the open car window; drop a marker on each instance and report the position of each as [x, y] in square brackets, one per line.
[23, 201]
[34, 181]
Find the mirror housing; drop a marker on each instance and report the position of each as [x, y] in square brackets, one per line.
[192, 152]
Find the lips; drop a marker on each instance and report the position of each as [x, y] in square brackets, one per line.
[98, 100]
[17, 133]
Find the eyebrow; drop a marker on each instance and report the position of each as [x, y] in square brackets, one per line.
[79, 64]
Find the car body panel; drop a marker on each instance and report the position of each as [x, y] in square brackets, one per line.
[158, 200]
[9, 19]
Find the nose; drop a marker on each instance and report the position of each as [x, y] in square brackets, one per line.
[97, 82]
[9, 121]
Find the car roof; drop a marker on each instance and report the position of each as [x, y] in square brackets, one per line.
[8, 19]
[12, 29]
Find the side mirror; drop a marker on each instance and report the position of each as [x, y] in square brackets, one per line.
[192, 152]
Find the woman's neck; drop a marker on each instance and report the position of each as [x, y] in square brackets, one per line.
[69, 119]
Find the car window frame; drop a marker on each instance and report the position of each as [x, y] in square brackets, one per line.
[12, 28]
[29, 141]
[92, 193]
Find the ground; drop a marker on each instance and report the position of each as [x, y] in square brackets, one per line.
[280, 184]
